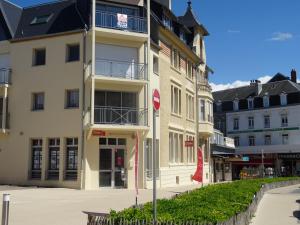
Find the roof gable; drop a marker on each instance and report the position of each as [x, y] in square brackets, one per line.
[12, 14]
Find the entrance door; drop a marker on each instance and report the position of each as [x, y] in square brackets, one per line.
[112, 167]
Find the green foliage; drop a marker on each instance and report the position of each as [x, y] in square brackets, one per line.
[211, 204]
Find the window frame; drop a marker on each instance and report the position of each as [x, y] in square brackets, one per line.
[251, 122]
[267, 118]
[35, 60]
[236, 123]
[34, 104]
[176, 100]
[67, 99]
[155, 68]
[68, 47]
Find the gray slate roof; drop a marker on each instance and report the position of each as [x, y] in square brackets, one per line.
[12, 14]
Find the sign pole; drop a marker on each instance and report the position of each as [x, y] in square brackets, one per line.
[5, 209]
[154, 167]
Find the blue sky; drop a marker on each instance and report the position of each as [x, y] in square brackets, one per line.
[249, 39]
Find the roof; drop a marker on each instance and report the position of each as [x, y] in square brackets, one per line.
[190, 20]
[270, 88]
[63, 17]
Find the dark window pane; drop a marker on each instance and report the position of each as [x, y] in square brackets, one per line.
[112, 141]
[73, 99]
[38, 101]
[39, 57]
[73, 53]
[100, 98]
[102, 141]
[121, 141]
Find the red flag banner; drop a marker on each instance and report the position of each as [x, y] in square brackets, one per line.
[136, 162]
[198, 176]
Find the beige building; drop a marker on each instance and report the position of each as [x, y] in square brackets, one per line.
[76, 82]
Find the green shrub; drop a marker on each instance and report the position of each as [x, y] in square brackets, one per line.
[212, 204]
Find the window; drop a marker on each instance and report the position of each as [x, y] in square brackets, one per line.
[210, 112]
[250, 122]
[149, 157]
[267, 121]
[268, 140]
[175, 100]
[39, 57]
[266, 101]
[284, 120]
[283, 99]
[73, 52]
[41, 19]
[236, 105]
[190, 70]
[36, 158]
[155, 65]
[53, 163]
[251, 141]
[72, 99]
[237, 141]
[38, 101]
[175, 58]
[190, 150]
[285, 139]
[202, 110]
[236, 124]
[175, 148]
[250, 103]
[190, 111]
[183, 36]
[167, 22]
[71, 158]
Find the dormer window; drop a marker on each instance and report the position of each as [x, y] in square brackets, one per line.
[183, 36]
[283, 99]
[250, 103]
[236, 105]
[167, 22]
[41, 19]
[266, 100]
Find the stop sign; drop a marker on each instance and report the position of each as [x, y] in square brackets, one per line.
[156, 100]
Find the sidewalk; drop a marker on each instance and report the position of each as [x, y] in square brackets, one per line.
[279, 207]
[57, 206]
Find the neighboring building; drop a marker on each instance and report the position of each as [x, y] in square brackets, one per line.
[76, 89]
[223, 154]
[263, 121]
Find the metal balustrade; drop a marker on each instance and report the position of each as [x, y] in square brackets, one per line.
[121, 116]
[110, 20]
[123, 70]
[5, 76]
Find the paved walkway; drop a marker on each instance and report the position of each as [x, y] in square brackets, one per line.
[55, 206]
[279, 207]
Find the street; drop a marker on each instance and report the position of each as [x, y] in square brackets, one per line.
[279, 207]
[58, 206]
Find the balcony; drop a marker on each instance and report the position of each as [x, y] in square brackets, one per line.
[113, 21]
[5, 76]
[121, 116]
[115, 70]
[2, 126]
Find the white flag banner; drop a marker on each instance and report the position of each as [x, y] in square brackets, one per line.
[122, 20]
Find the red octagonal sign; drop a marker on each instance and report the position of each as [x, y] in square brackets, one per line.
[156, 100]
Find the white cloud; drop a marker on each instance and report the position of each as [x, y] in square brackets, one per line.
[233, 31]
[237, 83]
[280, 36]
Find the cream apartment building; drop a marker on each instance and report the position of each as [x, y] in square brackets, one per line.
[76, 84]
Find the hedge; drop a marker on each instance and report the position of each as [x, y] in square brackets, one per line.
[210, 204]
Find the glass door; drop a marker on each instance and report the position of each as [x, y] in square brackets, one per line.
[105, 173]
[119, 168]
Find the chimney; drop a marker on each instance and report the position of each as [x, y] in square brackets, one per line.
[294, 76]
[258, 86]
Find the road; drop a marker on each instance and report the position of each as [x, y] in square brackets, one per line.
[58, 206]
[279, 207]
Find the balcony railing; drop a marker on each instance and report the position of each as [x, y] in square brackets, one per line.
[35, 174]
[110, 20]
[71, 175]
[121, 116]
[5, 76]
[118, 69]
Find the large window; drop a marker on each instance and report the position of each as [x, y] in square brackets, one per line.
[210, 112]
[236, 124]
[155, 65]
[149, 157]
[268, 140]
[267, 121]
[175, 58]
[190, 150]
[39, 57]
[251, 122]
[202, 110]
[72, 98]
[175, 100]
[71, 158]
[251, 140]
[237, 141]
[175, 148]
[190, 70]
[285, 139]
[53, 159]
[284, 120]
[38, 101]
[190, 110]
[36, 158]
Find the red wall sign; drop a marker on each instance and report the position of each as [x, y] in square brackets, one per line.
[189, 143]
[99, 133]
[198, 176]
[156, 100]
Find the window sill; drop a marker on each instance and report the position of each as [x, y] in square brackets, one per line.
[37, 110]
[175, 69]
[191, 80]
[191, 120]
[37, 66]
[176, 164]
[176, 115]
[74, 61]
[70, 108]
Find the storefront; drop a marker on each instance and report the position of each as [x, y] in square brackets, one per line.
[289, 164]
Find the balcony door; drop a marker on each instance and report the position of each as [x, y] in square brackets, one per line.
[116, 108]
[116, 61]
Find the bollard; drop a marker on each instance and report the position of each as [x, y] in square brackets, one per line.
[5, 209]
